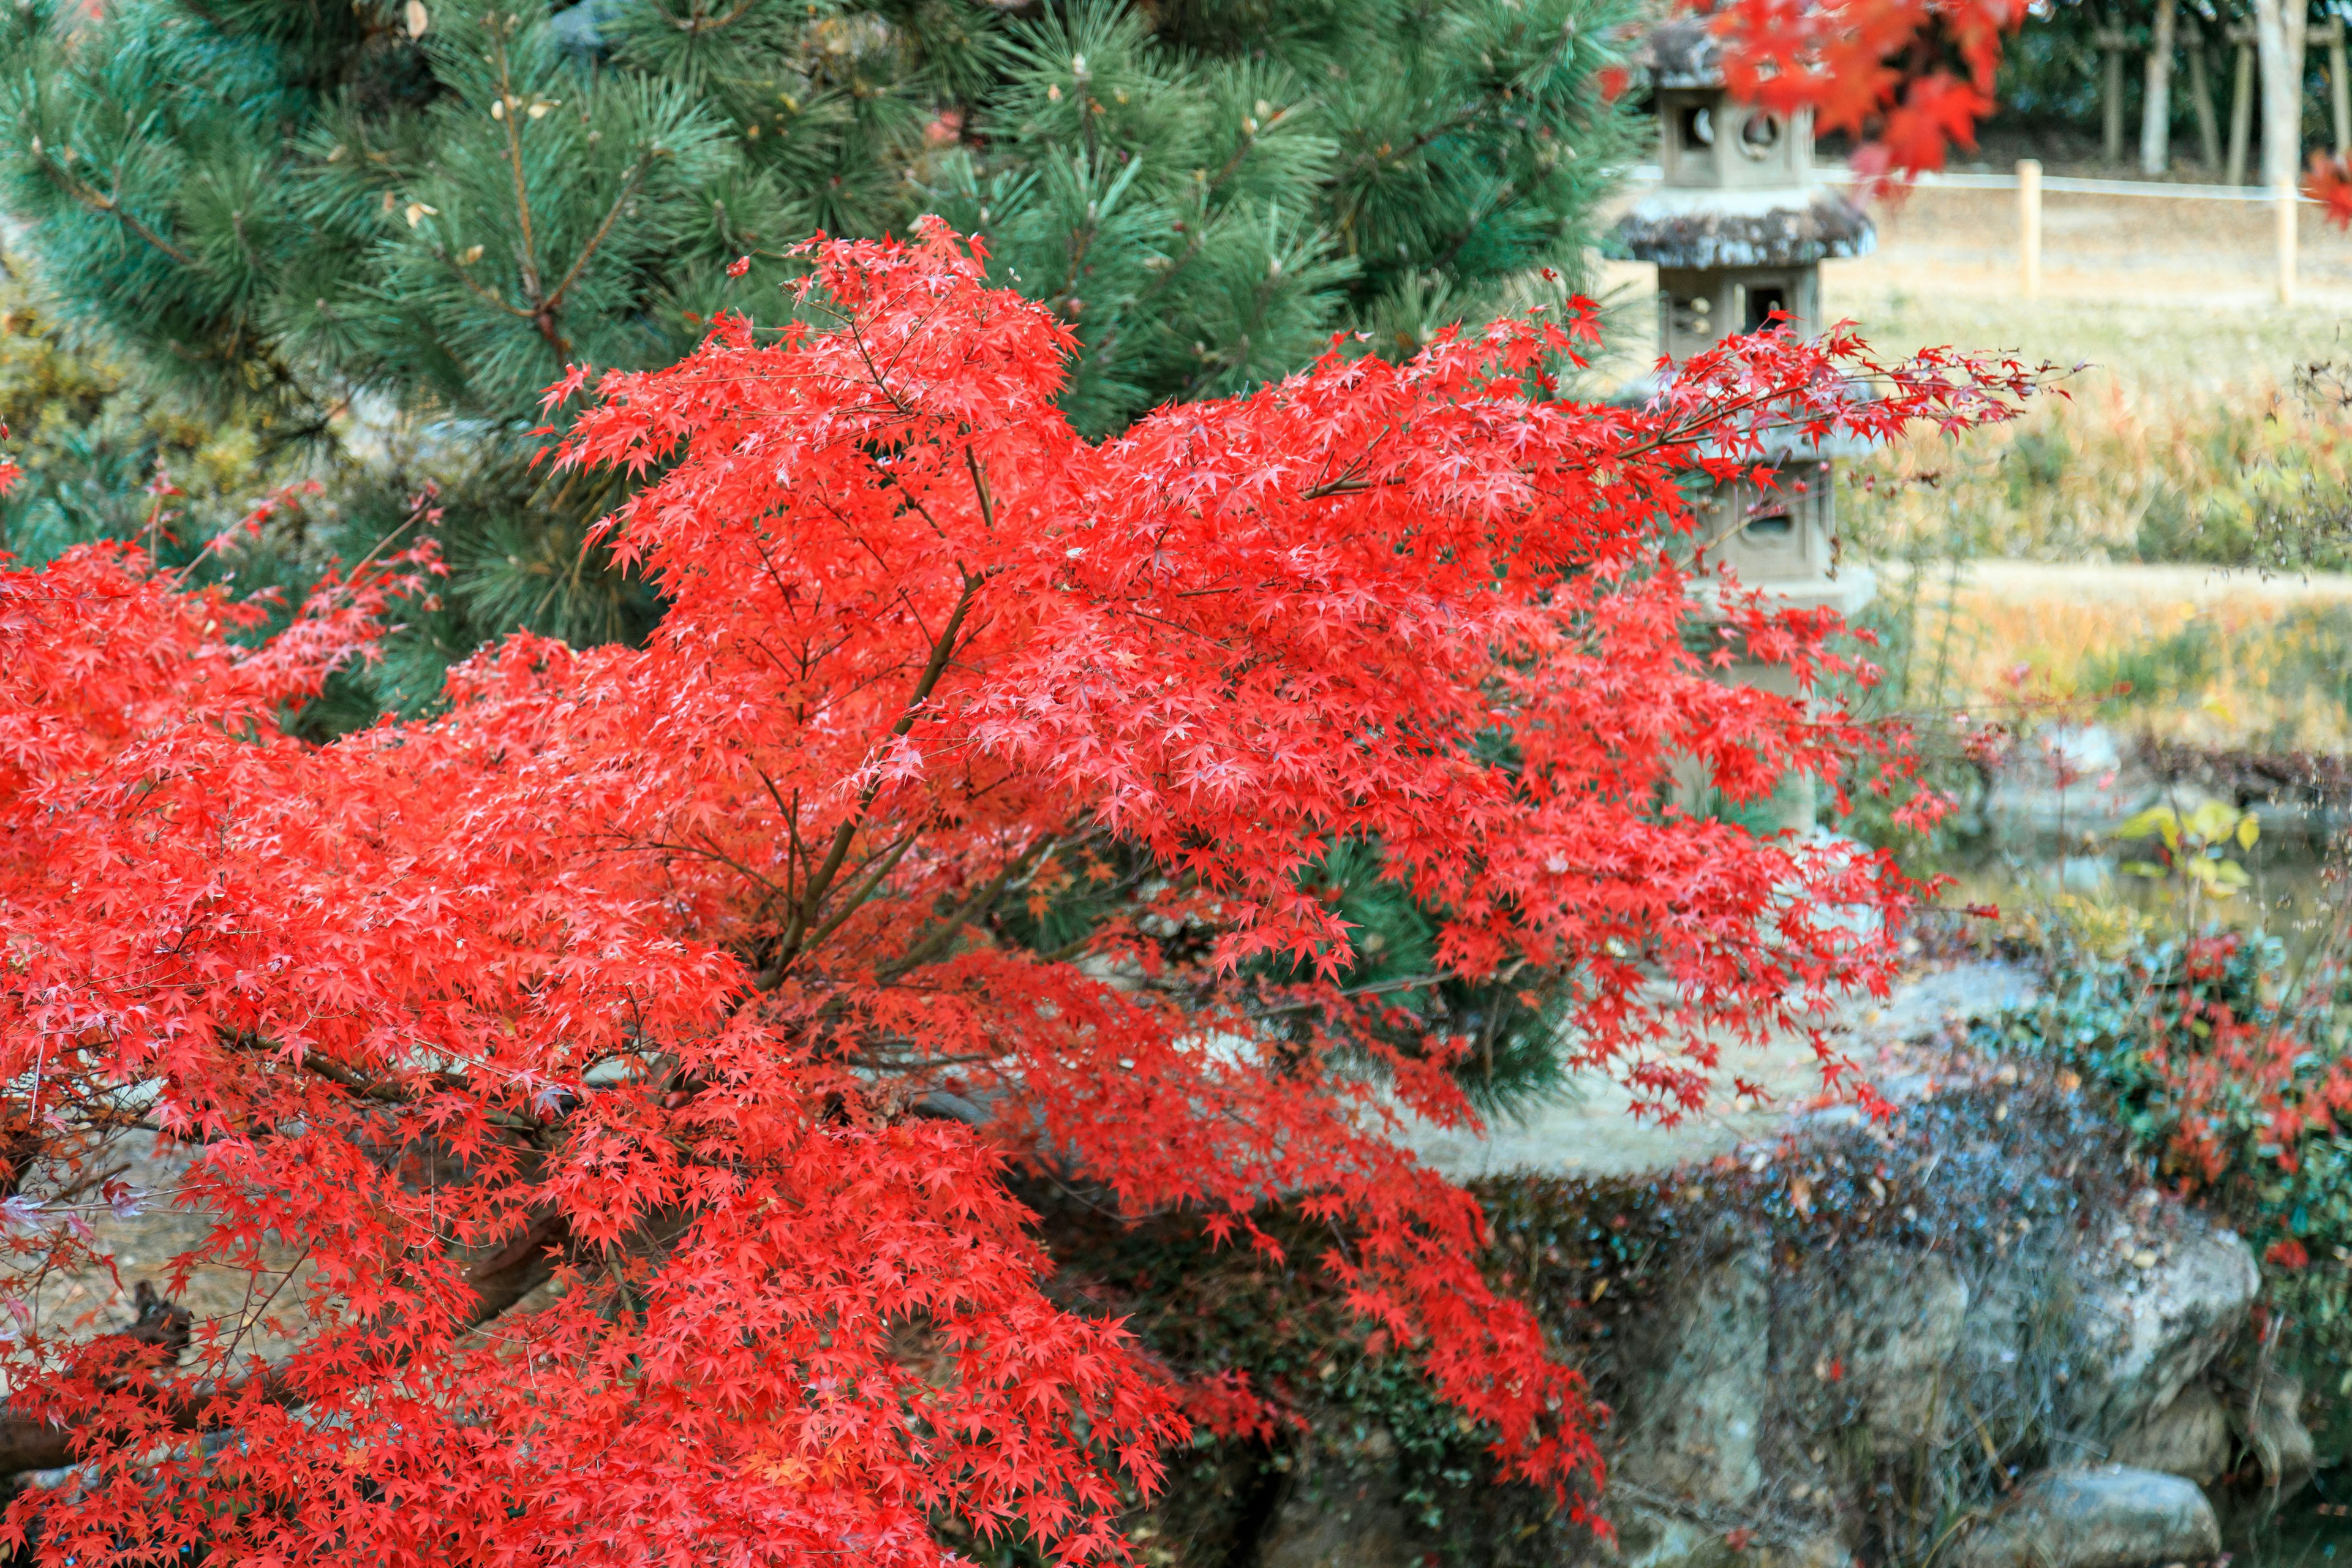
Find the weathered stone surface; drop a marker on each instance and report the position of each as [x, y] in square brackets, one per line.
[1693, 1419]
[1648, 1539]
[1682, 53]
[2110, 1517]
[2149, 1319]
[1873, 1347]
[2189, 1437]
[1793, 228]
[1343, 1512]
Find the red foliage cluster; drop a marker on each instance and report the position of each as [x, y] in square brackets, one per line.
[2329, 183]
[1908, 78]
[2223, 1068]
[606, 1087]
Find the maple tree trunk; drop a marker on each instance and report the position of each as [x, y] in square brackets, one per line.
[2156, 103]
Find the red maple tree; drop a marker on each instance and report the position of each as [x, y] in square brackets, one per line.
[607, 1088]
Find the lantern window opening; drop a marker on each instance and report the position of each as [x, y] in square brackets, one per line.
[1770, 519]
[1759, 300]
[1696, 123]
[1760, 134]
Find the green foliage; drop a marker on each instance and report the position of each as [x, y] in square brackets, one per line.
[1515, 1023]
[2196, 845]
[93, 443]
[1207, 1308]
[339, 226]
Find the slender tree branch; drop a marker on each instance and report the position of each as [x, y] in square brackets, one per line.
[499, 1282]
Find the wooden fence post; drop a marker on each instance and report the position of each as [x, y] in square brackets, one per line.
[2029, 224]
[2284, 200]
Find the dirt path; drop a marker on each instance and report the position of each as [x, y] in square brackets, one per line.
[2132, 583]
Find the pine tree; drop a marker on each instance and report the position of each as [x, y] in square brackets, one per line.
[326, 221]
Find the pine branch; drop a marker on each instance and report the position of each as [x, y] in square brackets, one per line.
[98, 201]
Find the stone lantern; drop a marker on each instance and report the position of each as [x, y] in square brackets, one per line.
[1738, 227]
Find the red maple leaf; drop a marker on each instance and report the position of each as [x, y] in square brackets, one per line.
[2329, 183]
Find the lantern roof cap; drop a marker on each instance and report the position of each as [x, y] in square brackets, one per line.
[1682, 53]
[1783, 226]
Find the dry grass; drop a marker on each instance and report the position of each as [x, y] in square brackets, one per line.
[2240, 670]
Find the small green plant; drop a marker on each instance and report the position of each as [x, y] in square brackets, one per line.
[2194, 847]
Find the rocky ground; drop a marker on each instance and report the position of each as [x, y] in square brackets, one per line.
[1973, 1336]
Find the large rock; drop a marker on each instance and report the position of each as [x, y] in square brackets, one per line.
[2110, 1517]
[1649, 1539]
[1872, 1346]
[2153, 1310]
[2273, 1418]
[2189, 1437]
[1694, 1410]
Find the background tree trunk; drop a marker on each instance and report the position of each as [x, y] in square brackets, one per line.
[2156, 103]
[2278, 44]
[2200, 98]
[2241, 102]
[2113, 41]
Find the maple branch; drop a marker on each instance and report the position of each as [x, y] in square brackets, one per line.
[887, 863]
[934, 941]
[335, 1073]
[358, 1083]
[499, 1281]
[821, 879]
[1348, 483]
